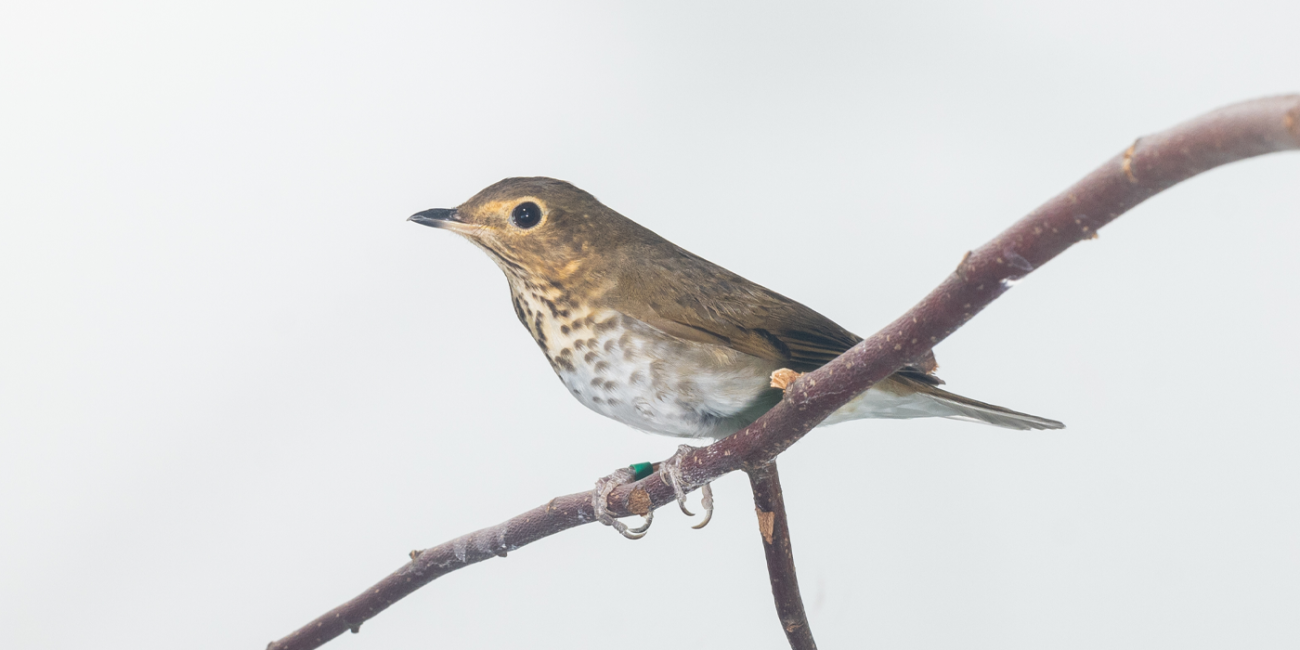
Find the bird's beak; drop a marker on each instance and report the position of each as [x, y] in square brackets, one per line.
[444, 218]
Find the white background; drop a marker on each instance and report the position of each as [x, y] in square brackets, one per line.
[236, 386]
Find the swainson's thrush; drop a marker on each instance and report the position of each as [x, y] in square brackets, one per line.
[661, 339]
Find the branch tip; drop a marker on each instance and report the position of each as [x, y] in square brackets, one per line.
[774, 525]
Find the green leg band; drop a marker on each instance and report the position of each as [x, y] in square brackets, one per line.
[641, 470]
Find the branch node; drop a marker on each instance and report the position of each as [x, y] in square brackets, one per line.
[1291, 120]
[766, 524]
[638, 503]
[962, 268]
[784, 378]
[1127, 165]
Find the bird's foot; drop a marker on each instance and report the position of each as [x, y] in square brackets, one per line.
[670, 471]
[600, 503]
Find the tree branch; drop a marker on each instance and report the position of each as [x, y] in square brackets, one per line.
[1152, 164]
[769, 505]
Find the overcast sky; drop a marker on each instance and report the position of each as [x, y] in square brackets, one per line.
[237, 387]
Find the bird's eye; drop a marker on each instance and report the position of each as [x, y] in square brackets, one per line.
[526, 215]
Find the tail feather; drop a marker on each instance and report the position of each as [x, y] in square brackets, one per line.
[901, 397]
[965, 408]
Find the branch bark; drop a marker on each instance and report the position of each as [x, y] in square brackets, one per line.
[1151, 165]
[769, 505]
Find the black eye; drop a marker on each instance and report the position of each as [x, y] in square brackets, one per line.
[526, 215]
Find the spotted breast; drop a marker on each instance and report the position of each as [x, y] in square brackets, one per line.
[631, 372]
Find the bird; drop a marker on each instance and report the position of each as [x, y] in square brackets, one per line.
[649, 334]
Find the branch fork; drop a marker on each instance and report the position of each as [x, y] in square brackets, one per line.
[1150, 165]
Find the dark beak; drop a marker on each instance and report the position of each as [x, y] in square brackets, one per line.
[445, 219]
[435, 218]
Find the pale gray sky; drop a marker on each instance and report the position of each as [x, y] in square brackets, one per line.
[236, 387]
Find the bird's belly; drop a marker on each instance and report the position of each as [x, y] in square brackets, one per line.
[628, 371]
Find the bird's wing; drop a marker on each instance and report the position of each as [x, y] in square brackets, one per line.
[712, 305]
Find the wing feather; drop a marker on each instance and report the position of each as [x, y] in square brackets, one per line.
[709, 304]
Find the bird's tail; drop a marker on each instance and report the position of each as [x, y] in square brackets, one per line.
[965, 408]
[904, 397]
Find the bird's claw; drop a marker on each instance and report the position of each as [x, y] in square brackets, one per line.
[670, 472]
[706, 501]
[600, 504]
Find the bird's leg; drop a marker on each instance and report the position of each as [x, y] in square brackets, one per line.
[600, 503]
[670, 471]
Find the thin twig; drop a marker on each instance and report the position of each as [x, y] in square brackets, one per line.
[769, 505]
[1152, 164]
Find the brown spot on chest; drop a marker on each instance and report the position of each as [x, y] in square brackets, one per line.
[538, 332]
[607, 324]
[550, 304]
[519, 310]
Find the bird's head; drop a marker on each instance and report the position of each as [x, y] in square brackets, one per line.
[538, 227]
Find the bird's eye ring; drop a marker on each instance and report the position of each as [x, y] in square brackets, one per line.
[526, 215]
